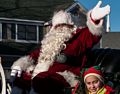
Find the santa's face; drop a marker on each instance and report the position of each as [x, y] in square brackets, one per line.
[93, 84]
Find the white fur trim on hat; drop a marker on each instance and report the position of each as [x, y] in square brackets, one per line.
[62, 17]
[94, 74]
[95, 29]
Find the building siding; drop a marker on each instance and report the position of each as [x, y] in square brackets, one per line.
[111, 40]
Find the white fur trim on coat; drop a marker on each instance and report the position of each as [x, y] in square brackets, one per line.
[69, 77]
[30, 69]
[24, 62]
[41, 67]
[95, 29]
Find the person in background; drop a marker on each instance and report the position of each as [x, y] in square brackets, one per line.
[62, 54]
[95, 82]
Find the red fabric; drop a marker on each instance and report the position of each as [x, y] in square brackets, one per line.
[78, 46]
[93, 70]
[110, 90]
[34, 54]
[51, 83]
[24, 81]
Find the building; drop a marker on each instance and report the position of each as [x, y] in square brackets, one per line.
[22, 25]
[110, 40]
[41, 10]
[17, 38]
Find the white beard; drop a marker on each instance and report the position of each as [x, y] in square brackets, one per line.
[53, 43]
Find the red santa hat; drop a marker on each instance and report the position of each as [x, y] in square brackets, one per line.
[95, 71]
[62, 17]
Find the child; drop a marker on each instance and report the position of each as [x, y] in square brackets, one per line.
[94, 81]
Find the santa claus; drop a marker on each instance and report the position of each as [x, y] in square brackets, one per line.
[53, 67]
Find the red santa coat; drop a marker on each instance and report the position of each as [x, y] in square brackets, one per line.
[77, 49]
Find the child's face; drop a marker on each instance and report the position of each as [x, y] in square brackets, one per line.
[93, 84]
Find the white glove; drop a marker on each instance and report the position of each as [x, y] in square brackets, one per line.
[100, 12]
[16, 71]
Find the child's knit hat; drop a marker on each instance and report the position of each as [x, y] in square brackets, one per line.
[95, 71]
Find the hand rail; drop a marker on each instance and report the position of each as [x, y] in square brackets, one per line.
[3, 79]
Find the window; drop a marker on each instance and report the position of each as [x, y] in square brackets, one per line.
[26, 32]
[8, 31]
[21, 32]
[0, 31]
[40, 33]
[4, 29]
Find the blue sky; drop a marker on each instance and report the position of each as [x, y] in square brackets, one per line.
[114, 15]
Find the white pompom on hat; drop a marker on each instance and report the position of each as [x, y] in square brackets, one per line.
[62, 17]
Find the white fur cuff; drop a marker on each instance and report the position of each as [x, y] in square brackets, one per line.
[40, 67]
[95, 29]
[23, 62]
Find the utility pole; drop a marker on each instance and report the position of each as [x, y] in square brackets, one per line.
[108, 24]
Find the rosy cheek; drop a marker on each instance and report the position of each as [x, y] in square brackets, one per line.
[98, 85]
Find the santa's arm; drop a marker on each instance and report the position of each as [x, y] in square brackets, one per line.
[95, 18]
[24, 62]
